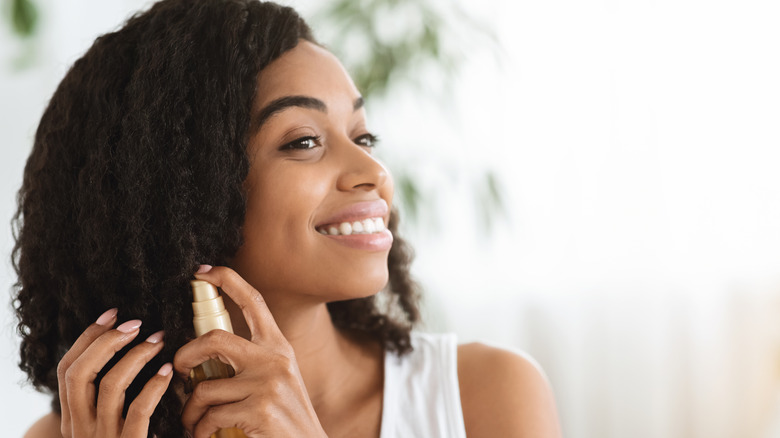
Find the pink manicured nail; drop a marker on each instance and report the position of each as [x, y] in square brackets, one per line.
[202, 269]
[165, 369]
[156, 337]
[107, 317]
[129, 326]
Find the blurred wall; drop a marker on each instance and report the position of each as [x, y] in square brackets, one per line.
[637, 143]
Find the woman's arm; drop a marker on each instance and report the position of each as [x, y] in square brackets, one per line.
[504, 394]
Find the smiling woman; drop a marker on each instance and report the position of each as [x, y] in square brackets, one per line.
[220, 132]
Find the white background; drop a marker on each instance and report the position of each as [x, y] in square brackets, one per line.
[638, 146]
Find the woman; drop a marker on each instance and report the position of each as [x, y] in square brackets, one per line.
[220, 132]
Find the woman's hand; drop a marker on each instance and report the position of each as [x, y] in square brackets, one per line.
[267, 396]
[82, 417]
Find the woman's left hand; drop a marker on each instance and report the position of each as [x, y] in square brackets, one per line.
[267, 396]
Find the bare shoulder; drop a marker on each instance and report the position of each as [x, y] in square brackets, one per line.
[504, 393]
[47, 426]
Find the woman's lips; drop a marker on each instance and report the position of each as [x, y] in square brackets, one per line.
[357, 211]
[381, 241]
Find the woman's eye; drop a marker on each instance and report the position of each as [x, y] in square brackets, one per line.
[367, 140]
[308, 142]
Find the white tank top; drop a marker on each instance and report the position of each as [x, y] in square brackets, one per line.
[421, 393]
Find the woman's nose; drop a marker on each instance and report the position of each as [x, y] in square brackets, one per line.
[360, 170]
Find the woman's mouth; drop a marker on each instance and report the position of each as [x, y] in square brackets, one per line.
[360, 226]
[365, 226]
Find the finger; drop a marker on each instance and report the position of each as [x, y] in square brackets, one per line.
[212, 393]
[218, 417]
[81, 375]
[216, 344]
[142, 408]
[111, 396]
[258, 316]
[102, 325]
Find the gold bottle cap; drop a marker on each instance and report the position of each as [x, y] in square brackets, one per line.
[203, 291]
[208, 309]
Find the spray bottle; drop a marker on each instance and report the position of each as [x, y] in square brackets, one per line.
[210, 314]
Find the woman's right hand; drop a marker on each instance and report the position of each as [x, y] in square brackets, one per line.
[82, 417]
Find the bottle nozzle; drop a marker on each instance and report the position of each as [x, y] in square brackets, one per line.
[203, 291]
[208, 309]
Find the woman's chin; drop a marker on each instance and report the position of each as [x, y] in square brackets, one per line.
[358, 288]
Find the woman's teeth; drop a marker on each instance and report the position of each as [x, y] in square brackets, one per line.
[366, 226]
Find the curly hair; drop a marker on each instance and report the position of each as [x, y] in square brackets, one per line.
[110, 213]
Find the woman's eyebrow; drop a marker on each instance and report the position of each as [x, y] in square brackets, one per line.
[282, 103]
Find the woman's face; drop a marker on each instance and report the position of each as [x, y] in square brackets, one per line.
[312, 173]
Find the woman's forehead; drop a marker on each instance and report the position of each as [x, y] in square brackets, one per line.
[306, 70]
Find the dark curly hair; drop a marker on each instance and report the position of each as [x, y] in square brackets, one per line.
[110, 213]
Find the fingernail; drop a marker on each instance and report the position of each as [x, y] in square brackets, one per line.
[187, 434]
[107, 317]
[202, 269]
[165, 369]
[156, 337]
[129, 326]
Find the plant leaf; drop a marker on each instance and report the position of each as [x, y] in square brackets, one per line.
[24, 17]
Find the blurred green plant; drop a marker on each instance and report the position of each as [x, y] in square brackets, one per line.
[383, 57]
[22, 16]
[22, 19]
